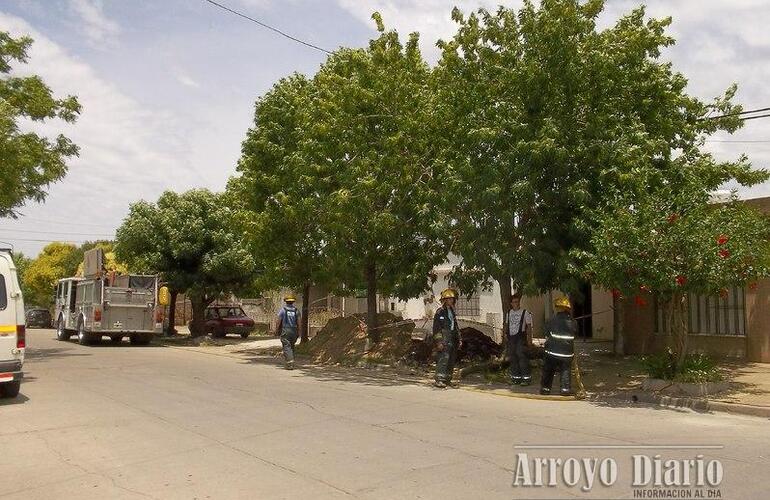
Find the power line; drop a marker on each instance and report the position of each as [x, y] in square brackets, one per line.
[748, 112]
[59, 221]
[738, 142]
[271, 28]
[46, 241]
[54, 232]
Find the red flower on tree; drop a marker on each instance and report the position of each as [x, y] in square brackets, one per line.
[724, 253]
[722, 239]
[639, 301]
[616, 294]
[644, 288]
[681, 280]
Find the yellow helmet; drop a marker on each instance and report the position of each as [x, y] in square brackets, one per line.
[449, 293]
[562, 303]
[290, 298]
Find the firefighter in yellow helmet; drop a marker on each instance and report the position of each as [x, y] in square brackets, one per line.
[446, 336]
[288, 329]
[559, 347]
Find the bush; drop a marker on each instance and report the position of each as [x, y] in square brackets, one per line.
[697, 368]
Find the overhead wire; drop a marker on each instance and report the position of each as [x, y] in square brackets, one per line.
[267, 26]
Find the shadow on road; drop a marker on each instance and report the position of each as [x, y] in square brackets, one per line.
[18, 400]
[39, 354]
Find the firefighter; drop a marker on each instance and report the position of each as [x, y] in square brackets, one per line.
[559, 348]
[446, 336]
[288, 323]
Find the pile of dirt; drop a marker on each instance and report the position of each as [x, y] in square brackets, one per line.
[475, 346]
[343, 340]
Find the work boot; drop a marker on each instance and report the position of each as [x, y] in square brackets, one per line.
[545, 391]
[290, 365]
[566, 392]
[440, 384]
[525, 382]
[515, 381]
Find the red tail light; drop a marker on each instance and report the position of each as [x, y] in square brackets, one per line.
[21, 337]
[97, 314]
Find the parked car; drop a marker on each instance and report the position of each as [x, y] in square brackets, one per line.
[223, 320]
[12, 328]
[39, 318]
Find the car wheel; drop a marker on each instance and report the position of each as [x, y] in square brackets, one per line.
[10, 389]
[61, 333]
[83, 337]
[116, 339]
[218, 333]
[245, 335]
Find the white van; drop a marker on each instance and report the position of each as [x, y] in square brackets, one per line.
[12, 333]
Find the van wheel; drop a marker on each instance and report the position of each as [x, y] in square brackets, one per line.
[10, 389]
[83, 337]
[140, 339]
[61, 333]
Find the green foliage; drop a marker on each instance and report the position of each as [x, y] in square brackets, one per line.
[544, 117]
[30, 162]
[193, 240]
[697, 368]
[56, 261]
[368, 147]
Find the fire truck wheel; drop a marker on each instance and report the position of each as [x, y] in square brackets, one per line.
[61, 333]
[140, 340]
[84, 338]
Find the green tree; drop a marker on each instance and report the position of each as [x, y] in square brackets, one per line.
[193, 240]
[669, 243]
[30, 162]
[22, 262]
[56, 261]
[366, 144]
[545, 117]
[282, 198]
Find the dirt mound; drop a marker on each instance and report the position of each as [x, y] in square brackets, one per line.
[343, 340]
[476, 346]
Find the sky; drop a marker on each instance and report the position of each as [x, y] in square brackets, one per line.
[168, 87]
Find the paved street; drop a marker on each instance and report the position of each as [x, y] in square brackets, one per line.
[159, 422]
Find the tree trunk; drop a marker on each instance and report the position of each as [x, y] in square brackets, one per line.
[198, 323]
[305, 323]
[618, 323]
[371, 303]
[171, 330]
[679, 329]
[506, 292]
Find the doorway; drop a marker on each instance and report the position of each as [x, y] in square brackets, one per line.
[582, 310]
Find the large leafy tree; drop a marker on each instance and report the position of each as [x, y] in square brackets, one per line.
[670, 243]
[545, 117]
[193, 240]
[281, 194]
[30, 162]
[367, 144]
[55, 261]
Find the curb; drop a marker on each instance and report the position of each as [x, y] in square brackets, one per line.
[699, 405]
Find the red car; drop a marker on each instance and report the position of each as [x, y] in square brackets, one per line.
[222, 320]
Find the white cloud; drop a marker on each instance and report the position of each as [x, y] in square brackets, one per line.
[187, 81]
[128, 152]
[95, 24]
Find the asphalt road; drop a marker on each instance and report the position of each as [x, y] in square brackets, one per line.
[159, 422]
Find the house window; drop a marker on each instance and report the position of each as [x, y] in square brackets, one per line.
[711, 315]
[468, 306]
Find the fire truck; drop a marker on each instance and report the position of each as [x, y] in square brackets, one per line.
[102, 304]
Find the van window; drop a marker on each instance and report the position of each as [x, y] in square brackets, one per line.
[3, 294]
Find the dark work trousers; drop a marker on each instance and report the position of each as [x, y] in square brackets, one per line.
[552, 365]
[288, 339]
[517, 346]
[445, 360]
